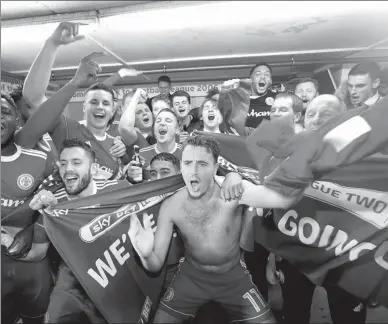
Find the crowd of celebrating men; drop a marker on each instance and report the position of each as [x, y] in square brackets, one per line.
[49, 158]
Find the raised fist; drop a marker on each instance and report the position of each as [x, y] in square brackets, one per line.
[43, 199]
[65, 33]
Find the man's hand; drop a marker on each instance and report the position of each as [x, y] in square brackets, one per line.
[230, 84]
[118, 149]
[65, 33]
[232, 188]
[127, 72]
[183, 137]
[142, 238]
[141, 95]
[87, 70]
[133, 170]
[43, 199]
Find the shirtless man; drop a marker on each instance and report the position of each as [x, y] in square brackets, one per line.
[212, 269]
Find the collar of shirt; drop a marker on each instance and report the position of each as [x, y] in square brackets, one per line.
[372, 100]
[171, 152]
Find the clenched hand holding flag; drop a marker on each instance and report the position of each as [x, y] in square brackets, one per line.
[348, 222]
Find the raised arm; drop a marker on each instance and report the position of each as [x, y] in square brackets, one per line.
[127, 121]
[46, 117]
[38, 77]
[151, 249]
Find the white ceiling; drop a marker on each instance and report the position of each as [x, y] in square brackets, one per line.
[241, 33]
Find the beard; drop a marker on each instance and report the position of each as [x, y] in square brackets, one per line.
[85, 180]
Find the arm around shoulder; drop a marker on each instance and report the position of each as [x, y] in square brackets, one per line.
[260, 196]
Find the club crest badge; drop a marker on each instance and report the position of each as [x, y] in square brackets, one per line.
[169, 294]
[25, 181]
[269, 101]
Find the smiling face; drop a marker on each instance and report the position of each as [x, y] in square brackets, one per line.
[211, 115]
[181, 106]
[320, 110]
[166, 127]
[307, 92]
[261, 80]
[143, 117]
[98, 105]
[76, 169]
[9, 121]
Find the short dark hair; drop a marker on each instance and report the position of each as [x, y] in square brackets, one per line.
[212, 92]
[305, 80]
[100, 86]
[367, 67]
[164, 78]
[9, 100]
[297, 103]
[172, 112]
[180, 93]
[260, 64]
[205, 141]
[167, 157]
[75, 142]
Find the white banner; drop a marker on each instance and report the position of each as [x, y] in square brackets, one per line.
[194, 90]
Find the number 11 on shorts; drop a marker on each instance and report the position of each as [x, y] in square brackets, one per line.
[251, 295]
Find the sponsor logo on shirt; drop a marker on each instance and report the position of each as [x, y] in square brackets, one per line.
[25, 181]
[11, 202]
[259, 113]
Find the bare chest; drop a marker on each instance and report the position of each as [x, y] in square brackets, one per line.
[213, 220]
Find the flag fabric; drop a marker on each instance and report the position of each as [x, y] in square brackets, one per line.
[91, 235]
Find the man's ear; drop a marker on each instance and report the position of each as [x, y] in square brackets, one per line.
[376, 83]
[297, 117]
[94, 169]
[216, 169]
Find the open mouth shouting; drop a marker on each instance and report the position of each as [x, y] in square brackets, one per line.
[146, 120]
[194, 184]
[182, 111]
[262, 84]
[162, 130]
[211, 116]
